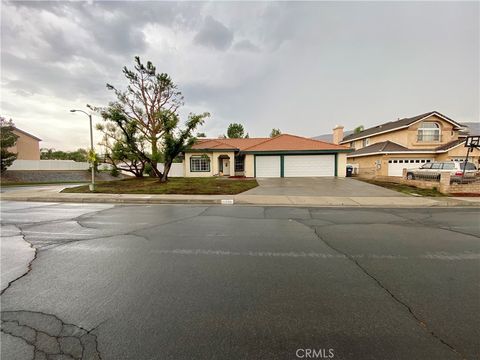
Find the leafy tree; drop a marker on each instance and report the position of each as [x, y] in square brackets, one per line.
[119, 149]
[358, 129]
[201, 135]
[7, 140]
[235, 131]
[275, 132]
[178, 141]
[145, 112]
[79, 155]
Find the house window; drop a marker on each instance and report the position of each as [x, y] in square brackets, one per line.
[199, 164]
[366, 141]
[428, 132]
[239, 163]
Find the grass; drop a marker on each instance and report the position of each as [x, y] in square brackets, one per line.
[405, 189]
[186, 186]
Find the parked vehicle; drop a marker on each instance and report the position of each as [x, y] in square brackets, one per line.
[433, 171]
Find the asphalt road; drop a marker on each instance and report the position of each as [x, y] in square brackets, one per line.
[198, 282]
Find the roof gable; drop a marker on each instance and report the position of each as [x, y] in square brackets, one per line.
[223, 144]
[26, 134]
[396, 125]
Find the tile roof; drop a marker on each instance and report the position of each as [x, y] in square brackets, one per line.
[279, 143]
[293, 142]
[450, 144]
[392, 125]
[381, 147]
[234, 144]
[471, 128]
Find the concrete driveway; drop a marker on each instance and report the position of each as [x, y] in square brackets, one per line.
[321, 186]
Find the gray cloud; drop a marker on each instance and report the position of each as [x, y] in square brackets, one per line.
[214, 34]
[246, 45]
[298, 66]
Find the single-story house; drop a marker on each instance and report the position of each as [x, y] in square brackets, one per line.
[282, 156]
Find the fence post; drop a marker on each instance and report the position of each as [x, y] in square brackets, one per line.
[444, 182]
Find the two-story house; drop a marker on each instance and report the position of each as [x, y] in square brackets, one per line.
[386, 149]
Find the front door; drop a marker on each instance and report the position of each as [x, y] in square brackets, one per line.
[226, 166]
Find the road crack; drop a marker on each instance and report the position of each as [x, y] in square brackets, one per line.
[29, 266]
[51, 336]
[422, 323]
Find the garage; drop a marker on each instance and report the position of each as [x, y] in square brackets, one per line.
[267, 166]
[309, 165]
[295, 166]
[396, 166]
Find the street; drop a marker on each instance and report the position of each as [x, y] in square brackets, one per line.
[239, 282]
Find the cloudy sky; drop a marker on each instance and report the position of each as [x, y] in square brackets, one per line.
[301, 67]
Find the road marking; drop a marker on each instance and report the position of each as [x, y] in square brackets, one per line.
[464, 256]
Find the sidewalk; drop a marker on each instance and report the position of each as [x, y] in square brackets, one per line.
[52, 194]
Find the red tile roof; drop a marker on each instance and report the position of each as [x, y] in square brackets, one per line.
[279, 143]
[234, 144]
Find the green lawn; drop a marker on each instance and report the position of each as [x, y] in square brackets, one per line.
[405, 189]
[188, 186]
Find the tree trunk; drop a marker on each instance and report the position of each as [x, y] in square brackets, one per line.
[154, 162]
[166, 170]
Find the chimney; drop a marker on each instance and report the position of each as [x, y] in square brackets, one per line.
[337, 134]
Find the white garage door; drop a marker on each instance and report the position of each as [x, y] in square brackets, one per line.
[267, 166]
[396, 166]
[309, 165]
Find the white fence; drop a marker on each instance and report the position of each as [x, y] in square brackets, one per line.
[176, 170]
[58, 165]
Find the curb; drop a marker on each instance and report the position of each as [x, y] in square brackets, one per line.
[451, 203]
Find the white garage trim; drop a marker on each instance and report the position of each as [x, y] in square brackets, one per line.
[267, 166]
[396, 166]
[309, 165]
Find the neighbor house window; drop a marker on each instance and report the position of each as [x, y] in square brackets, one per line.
[366, 142]
[199, 164]
[428, 131]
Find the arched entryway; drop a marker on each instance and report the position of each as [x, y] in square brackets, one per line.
[224, 165]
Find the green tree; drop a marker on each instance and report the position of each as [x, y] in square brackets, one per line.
[358, 129]
[7, 140]
[201, 135]
[275, 132]
[235, 131]
[177, 141]
[119, 148]
[79, 155]
[149, 107]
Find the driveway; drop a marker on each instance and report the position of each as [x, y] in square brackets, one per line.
[324, 186]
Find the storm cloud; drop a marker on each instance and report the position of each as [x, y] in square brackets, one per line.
[302, 67]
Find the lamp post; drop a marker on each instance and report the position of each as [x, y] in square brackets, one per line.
[92, 185]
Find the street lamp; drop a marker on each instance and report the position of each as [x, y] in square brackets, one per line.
[92, 185]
